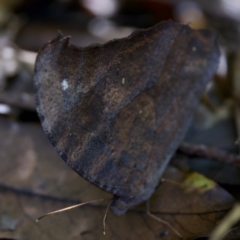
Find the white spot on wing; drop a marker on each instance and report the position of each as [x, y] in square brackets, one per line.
[64, 85]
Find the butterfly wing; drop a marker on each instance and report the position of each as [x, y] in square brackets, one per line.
[117, 112]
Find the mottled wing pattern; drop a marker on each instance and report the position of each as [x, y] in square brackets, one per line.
[117, 112]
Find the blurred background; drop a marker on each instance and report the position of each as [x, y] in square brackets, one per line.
[29, 164]
[26, 25]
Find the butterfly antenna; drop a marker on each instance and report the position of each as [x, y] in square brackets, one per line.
[162, 221]
[68, 208]
[105, 216]
[171, 181]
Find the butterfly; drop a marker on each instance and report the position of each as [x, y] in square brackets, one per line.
[117, 112]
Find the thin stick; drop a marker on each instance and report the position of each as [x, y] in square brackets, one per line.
[67, 208]
[161, 220]
[105, 216]
[199, 150]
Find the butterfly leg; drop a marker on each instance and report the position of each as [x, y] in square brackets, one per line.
[161, 220]
[169, 181]
[105, 216]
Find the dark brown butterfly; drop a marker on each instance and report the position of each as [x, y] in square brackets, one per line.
[117, 112]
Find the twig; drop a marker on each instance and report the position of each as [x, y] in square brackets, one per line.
[199, 150]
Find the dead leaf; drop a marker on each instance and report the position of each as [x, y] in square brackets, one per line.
[52, 185]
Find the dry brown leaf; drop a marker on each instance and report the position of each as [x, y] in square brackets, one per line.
[34, 180]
